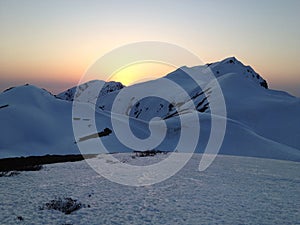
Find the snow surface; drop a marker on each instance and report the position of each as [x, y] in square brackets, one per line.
[233, 190]
[260, 122]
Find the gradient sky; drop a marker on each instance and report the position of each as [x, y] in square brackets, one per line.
[52, 43]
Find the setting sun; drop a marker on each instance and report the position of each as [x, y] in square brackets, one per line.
[140, 72]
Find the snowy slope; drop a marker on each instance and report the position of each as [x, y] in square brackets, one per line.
[261, 122]
[271, 114]
[234, 190]
[34, 123]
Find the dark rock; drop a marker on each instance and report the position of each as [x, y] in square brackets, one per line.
[20, 218]
[4, 106]
[264, 84]
[66, 205]
[147, 153]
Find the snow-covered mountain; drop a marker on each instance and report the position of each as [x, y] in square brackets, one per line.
[34, 122]
[108, 87]
[260, 122]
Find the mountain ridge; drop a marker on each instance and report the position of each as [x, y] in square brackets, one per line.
[260, 122]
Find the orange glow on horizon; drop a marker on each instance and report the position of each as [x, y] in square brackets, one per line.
[141, 72]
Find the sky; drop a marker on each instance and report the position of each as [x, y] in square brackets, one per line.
[52, 43]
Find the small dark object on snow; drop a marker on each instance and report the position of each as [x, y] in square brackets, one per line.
[66, 205]
[20, 218]
[4, 106]
[147, 153]
[103, 133]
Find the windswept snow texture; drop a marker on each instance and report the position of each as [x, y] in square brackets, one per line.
[233, 190]
[260, 122]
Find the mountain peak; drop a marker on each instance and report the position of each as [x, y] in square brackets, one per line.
[233, 65]
[230, 65]
[230, 60]
[26, 94]
[107, 88]
[26, 88]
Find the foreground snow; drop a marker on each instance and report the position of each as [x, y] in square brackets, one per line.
[233, 190]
